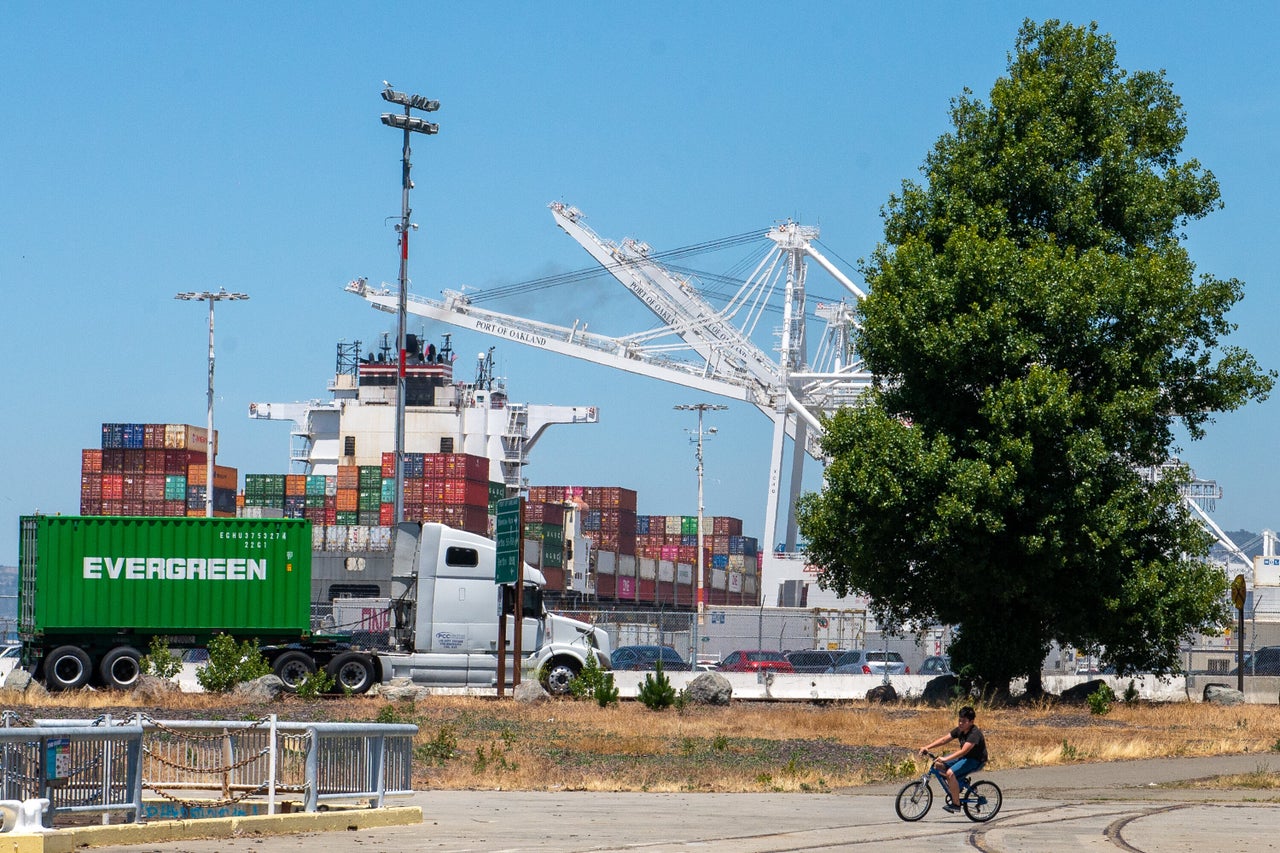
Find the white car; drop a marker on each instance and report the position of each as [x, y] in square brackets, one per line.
[9, 660]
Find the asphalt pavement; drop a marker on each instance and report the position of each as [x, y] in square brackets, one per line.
[1114, 806]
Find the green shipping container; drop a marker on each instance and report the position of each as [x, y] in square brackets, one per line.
[184, 577]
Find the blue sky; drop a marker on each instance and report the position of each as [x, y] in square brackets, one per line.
[150, 148]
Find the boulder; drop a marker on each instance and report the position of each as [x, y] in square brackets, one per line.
[18, 679]
[396, 690]
[1221, 694]
[939, 692]
[882, 693]
[265, 689]
[530, 692]
[710, 688]
[152, 689]
[1080, 694]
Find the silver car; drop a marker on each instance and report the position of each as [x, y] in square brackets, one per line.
[866, 662]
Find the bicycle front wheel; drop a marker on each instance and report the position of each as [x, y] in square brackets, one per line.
[983, 801]
[914, 800]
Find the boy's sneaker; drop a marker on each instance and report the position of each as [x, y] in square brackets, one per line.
[950, 808]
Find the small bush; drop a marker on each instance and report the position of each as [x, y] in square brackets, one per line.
[589, 678]
[315, 685]
[1131, 693]
[439, 749]
[231, 663]
[656, 693]
[1100, 700]
[606, 692]
[1069, 752]
[160, 661]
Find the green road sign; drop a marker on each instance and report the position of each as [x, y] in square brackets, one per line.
[507, 536]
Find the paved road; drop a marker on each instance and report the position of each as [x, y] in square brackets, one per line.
[1109, 807]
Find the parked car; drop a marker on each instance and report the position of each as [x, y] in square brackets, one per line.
[815, 660]
[646, 658]
[1261, 661]
[936, 665]
[755, 661]
[10, 656]
[863, 662]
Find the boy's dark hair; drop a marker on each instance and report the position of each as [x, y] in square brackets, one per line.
[966, 713]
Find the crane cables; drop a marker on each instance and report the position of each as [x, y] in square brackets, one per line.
[575, 276]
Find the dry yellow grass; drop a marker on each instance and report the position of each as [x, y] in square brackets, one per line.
[485, 743]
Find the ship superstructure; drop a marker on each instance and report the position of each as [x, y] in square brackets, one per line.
[442, 415]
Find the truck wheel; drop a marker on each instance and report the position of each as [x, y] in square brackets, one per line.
[121, 668]
[351, 671]
[293, 668]
[559, 674]
[67, 668]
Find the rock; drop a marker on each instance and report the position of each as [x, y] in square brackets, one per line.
[18, 679]
[882, 693]
[939, 692]
[152, 689]
[710, 688]
[1079, 694]
[265, 689]
[1221, 694]
[530, 692]
[396, 690]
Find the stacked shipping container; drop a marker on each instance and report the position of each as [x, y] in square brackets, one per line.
[153, 470]
[452, 488]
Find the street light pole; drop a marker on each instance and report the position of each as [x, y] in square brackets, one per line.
[408, 124]
[211, 298]
[701, 408]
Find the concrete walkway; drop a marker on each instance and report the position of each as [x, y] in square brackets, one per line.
[1116, 806]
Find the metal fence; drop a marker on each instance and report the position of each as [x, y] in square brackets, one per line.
[105, 764]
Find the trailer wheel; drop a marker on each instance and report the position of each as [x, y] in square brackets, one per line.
[559, 673]
[351, 672]
[293, 668]
[121, 668]
[67, 668]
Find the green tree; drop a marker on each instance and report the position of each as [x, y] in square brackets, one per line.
[1038, 333]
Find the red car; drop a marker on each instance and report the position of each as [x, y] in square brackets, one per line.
[755, 661]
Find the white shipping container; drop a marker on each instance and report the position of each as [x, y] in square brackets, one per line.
[357, 538]
[735, 581]
[335, 537]
[684, 574]
[606, 563]
[647, 569]
[666, 571]
[380, 538]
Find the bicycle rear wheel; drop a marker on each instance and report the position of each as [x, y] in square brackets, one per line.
[914, 800]
[982, 802]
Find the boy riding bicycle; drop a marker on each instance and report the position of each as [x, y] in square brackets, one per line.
[968, 759]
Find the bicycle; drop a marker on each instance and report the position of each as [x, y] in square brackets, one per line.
[980, 800]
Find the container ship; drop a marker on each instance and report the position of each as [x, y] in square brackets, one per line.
[466, 446]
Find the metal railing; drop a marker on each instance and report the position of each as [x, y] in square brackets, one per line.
[200, 764]
[77, 768]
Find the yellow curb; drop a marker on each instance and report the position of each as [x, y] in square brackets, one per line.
[71, 839]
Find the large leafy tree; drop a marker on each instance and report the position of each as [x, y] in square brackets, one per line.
[1039, 333]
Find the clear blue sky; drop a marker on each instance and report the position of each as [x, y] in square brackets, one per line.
[149, 148]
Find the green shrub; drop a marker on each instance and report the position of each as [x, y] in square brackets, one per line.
[160, 661]
[315, 685]
[231, 663]
[656, 693]
[1131, 693]
[606, 692]
[1100, 700]
[589, 679]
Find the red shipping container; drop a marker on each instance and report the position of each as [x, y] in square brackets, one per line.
[387, 514]
[90, 487]
[648, 590]
[153, 488]
[153, 436]
[555, 578]
[91, 461]
[606, 587]
[112, 487]
[135, 460]
[132, 508]
[112, 461]
[388, 465]
[469, 492]
[91, 506]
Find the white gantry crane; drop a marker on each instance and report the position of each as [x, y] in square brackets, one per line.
[1200, 497]
[704, 348]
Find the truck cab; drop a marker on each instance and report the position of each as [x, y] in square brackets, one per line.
[445, 610]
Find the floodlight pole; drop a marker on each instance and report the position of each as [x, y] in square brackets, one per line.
[700, 408]
[211, 298]
[409, 125]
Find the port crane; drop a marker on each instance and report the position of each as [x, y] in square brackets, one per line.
[705, 348]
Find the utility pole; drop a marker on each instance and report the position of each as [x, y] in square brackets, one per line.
[210, 297]
[409, 124]
[701, 408]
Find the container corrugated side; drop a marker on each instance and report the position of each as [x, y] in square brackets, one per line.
[172, 575]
